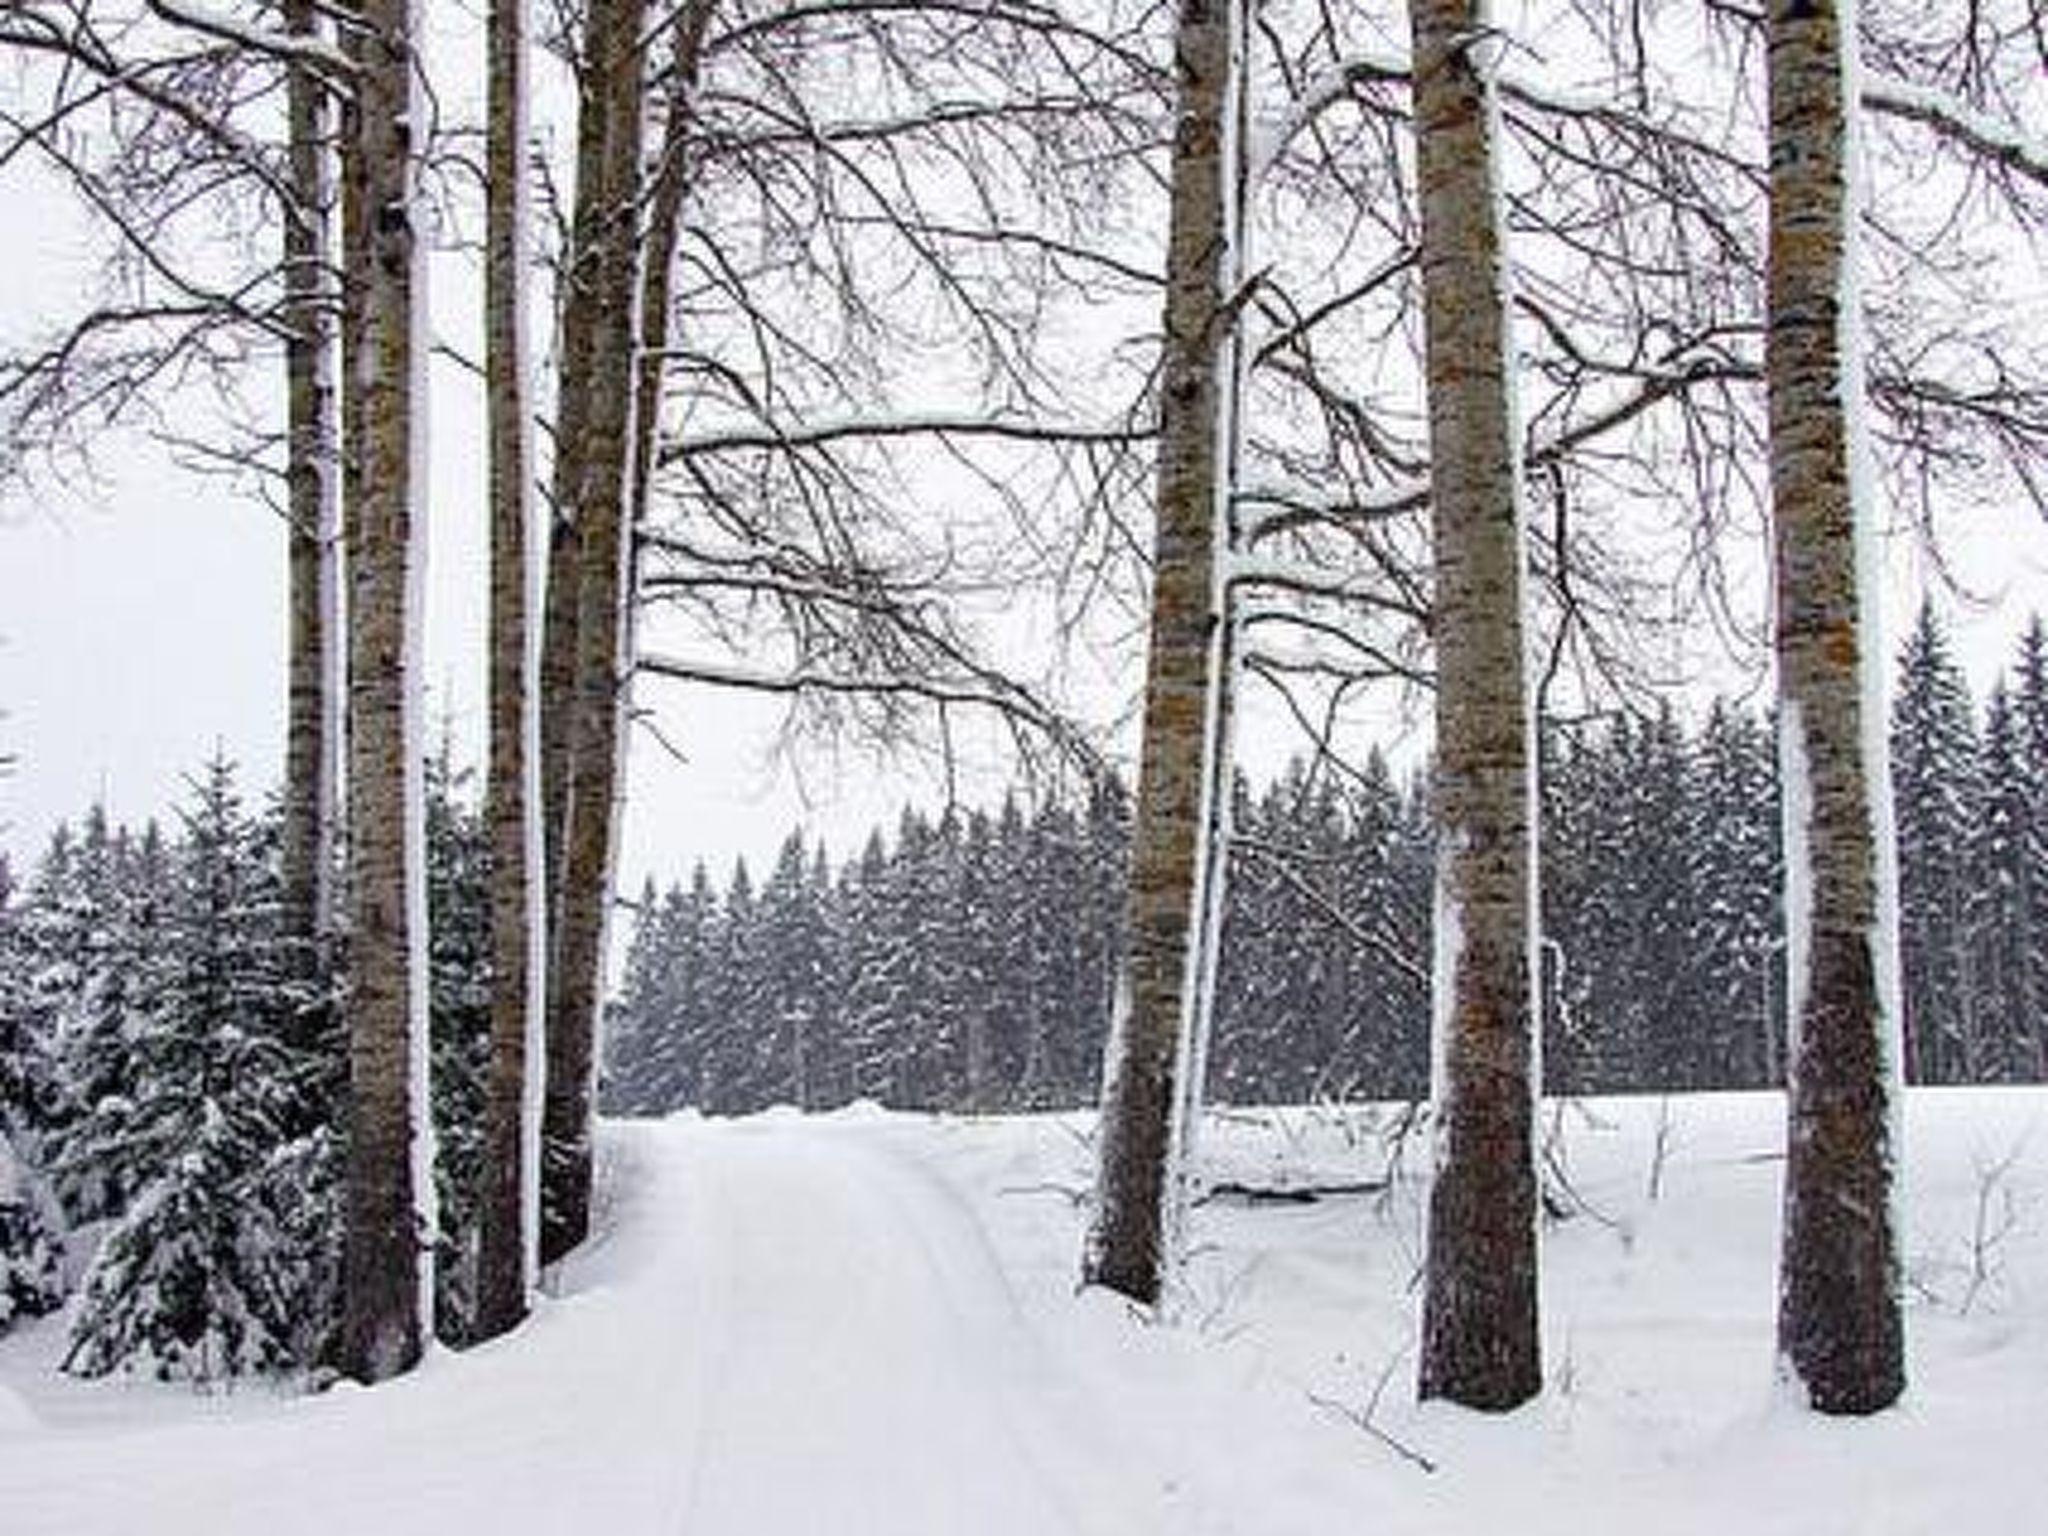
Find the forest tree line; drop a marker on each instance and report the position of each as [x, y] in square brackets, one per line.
[968, 964]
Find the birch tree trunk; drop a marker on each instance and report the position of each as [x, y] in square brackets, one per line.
[1126, 1247]
[671, 184]
[313, 703]
[387, 1257]
[1479, 1326]
[603, 558]
[1839, 1327]
[509, 1218]
[575, 351]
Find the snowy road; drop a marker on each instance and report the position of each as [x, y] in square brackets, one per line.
[867, 1367]
[797, 1328]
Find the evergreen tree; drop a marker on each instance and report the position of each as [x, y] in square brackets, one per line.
[31, 1240]
[794, 966]
[1738, 923]
[31, 1227]
[98, 965]
[2028, 1049]
[869, 957]
[1934, 765]
[636, 1022]
[734, 1077]
[459, 1032]
[688, 929]
[224, 1259]
[2005, 871]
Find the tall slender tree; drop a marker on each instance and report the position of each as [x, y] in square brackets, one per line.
[1126, 1245]
[1934, 753]
[510, 1217]
[1479, 1328]
[614, 69]
[313, 539]
[387, 1258]
[1839, 1327]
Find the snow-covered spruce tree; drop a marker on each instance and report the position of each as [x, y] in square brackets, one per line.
[459, 892]
[689, 929]
[1934, 773]
[1739, 926]
[31, 1239]
[1575, 848]
[2028, 1043]
[1479, 1333]
[1840, 1332]
[1045, 866]
[871, 963]
[31, 1227]
[1127, 1237]
[794, 963]
[636, 1025]
[388, 1225]
[2004, 866]
[223, 1261]
[732, 1071]
[1659, 947]
[94, 929]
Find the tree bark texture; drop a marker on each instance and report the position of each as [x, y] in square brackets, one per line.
[508, 1221]
[575, 354]
[669, 186]
[604, 556]
[388, 1241]
[1126, 1248]
[354, 239]
[1479, 1320]
[1839, 1327]
[312, 726]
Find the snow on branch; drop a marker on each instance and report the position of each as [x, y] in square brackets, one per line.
[1286, 506]
[1299, 577]
[287, 47]
[2001, 142]
[817, 434]
[983, 691]
[1956, 120]
[1343, 80]
[1326, 89]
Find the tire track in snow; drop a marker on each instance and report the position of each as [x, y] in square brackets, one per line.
[872, 1371]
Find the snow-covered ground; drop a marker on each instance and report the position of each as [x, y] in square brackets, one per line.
[868, 1323]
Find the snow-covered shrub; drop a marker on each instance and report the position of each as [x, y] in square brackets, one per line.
[31, 1243]
[218, 1269]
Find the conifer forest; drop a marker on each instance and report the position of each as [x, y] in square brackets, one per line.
[1435, 613]
[967, 963]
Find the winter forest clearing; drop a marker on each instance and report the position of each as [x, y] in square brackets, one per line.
[867, 1324]
[1094, 405]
